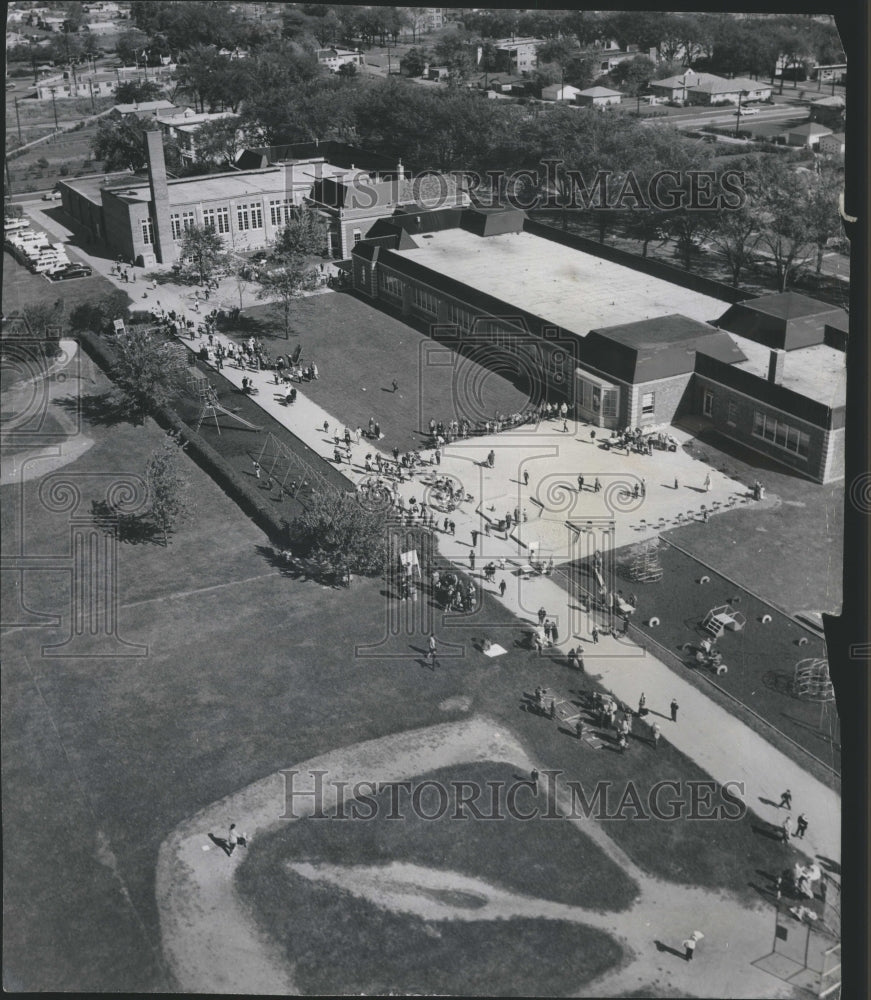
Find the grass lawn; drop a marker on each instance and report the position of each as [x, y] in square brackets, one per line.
[376, 950]
[21, 287]
[360, 350]
[250, 670]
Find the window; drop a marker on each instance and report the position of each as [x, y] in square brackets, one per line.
[357, 236]
[426, 301]
[223, 215]
[391, 285]
[731, 412]
[648, 404]
[781, 434]
[175, 225]
[279, 211]
[609, 402]
[708, 403]
[242, 218]
[188, 220]
[256, 215]
[208, 218]
[147, 232]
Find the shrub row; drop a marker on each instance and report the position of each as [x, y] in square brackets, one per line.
[207, 458]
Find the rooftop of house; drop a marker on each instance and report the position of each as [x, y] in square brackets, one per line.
[571, 289]
[688, 79]
[811, 128]
[143, 107]
[600, 92]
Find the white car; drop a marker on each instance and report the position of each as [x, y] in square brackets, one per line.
[746, 111]
[51, 196]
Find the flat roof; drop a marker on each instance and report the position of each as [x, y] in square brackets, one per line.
[817, 372]
[572, 289]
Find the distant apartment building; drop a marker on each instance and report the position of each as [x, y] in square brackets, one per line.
[512, 55]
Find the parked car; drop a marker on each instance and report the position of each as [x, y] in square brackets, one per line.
[72, 271]
[746, 111]
[51, 196]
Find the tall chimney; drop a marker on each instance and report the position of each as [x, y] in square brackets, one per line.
[163, 245]
[776, 359]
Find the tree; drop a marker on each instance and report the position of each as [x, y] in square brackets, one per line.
[341, 534]
[130, 45]
[347, 69]
[120, 143]
[452, 51]
[781, 206]
[147, 372]
[99, 316]
[285, 283]
[821, 213]
[168, 488]
[633, 76]
[736, 236]
[414, 61]
[44, 322]
[134, 91]
[205, 248]
[220, 141]
[305, 233]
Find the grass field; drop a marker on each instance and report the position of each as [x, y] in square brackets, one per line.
[376, 950]
[21, 287]
[249, 670]
[359, 351]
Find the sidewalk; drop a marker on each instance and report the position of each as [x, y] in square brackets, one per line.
[706, 733]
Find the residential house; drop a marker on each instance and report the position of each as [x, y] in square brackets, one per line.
[832, 145]
[184, 126]
[334, 58]
[559, 92]
[145, 108]
[708, 88]
[598, 97]
[806, 135]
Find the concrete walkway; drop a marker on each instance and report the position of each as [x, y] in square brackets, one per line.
[706, 733]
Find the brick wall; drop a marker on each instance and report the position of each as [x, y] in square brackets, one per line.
[821, 458]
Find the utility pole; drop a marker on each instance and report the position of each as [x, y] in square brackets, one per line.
[54, 109]
[18, 122]
[93, 103]
[738, 112]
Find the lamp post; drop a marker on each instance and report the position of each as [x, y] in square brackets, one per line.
[18, 121]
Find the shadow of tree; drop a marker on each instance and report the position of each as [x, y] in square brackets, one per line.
[132, 528]
[105, 409]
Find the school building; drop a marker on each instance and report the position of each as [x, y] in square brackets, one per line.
[629, 349]
[145, 219]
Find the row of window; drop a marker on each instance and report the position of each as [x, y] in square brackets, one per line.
[280, 211]
[782, 435]
[217, 219]
[179, 224]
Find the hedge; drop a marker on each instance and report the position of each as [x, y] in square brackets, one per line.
[207, 458]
